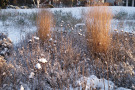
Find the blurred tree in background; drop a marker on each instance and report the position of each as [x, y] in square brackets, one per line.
[4, 3]
[13, 2]
[69, 2]
[66, 2]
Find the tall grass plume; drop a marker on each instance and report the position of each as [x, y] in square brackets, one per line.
[98, 23]
[44, 24]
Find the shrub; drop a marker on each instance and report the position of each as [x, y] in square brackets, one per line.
[4, 70]
[44, 24]
[98, 21]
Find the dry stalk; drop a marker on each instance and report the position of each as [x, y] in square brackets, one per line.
[44, 24]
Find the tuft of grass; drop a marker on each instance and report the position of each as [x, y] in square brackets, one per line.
[98, 22]
[44, 24]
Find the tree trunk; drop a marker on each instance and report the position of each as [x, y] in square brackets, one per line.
[126, 2]
[132, 3]
[38, 1]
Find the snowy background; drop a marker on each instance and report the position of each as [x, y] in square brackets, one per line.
[15, 33]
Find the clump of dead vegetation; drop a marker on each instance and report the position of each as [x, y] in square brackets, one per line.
[44, 24]
[111, 51]
[5, 70]
[98, 23]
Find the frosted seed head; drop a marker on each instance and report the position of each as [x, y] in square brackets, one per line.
[38, 66]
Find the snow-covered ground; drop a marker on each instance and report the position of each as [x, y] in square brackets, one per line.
[15, 33]
[76, 11]
[92, 82]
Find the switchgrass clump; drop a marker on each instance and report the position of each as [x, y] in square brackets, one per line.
[44, 24]
[98, 23]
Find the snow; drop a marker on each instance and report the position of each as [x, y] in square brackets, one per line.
[31, 75]
[109, 85]
[121, 88]
[76, 11]
[24, 86]
[50, 39]
[92, 82]
[16, 33]
[42, 60]
[38, 66]
[80, 24]
[36, 38]
[30, 41]
[21, 88]
[20, 10]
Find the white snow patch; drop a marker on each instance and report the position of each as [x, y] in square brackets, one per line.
[76, 11]
[92, 82]
[38, 66]
[80, 24]
[21, 88]
[42, 60]
[79, 11]
[31, 75]
[109, 85]
[24, 86]
[121, 88]
[50, 39]
[36, 38]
